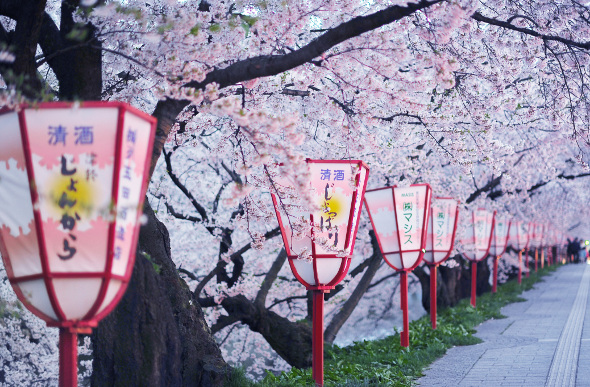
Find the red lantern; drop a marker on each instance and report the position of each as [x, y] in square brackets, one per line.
[73, 183]
[499, 244]
[337, 187]
[442, 226]
[400, 217]
[537, 242]
[519, 238]
[476, 243]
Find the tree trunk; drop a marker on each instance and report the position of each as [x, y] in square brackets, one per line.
[156, 336]
[453, 284]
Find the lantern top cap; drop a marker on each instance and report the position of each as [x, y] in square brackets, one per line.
[395, 186]
[320, 161]
[80, 105]
[447, 198]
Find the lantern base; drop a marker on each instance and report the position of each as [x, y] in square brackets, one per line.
[79, 327]
[322, 288]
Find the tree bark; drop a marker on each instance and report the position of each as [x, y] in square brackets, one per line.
[157, 336]
[453, 284]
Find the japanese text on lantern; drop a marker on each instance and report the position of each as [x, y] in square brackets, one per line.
[328, 215]
[332, 175]
[83, 135]
[407, 214]
[130, 141]
[68, 220]
[480, 227]
[329, 204]
[68, 202]
[440, 222]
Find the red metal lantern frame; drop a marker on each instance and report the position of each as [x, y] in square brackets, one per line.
[320, 289]
[538, 242]
[499, 255]
[522, 248]
[424, 229]
[474, 261]
[88, 321]
[405, 334]
[349, 241]
[70, 328]
[434, 266]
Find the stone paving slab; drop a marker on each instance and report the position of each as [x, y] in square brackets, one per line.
[544, 341]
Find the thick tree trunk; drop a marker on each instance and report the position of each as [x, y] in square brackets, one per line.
[453, 284]
[156, 336]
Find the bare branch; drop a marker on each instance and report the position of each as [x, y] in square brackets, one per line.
[507, 25]
[270, 278]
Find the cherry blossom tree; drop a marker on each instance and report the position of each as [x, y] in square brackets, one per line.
[485, 101]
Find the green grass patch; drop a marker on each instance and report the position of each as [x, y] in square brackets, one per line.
[386, 363]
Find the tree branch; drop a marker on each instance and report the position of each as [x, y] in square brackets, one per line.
[527, 31]
[269, 65]
[350, 304]
[270, 278]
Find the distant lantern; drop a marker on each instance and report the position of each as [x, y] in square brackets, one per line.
[537, 242]
[444, 216]
[498, 245]
[519, 239]
[320, 241]
[73, 179]
[400, 217]
[476, 243]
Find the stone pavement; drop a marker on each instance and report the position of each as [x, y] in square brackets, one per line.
[544, 341]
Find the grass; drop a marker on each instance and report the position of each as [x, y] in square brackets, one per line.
[385, 362]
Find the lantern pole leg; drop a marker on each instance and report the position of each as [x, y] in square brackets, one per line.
[68, 358]
[520, 267]
[495, 284]
[526, 259]
[536, 259]
[542, 257]
[318, 338]
[405, 336]
[433, 295]
[473, 283]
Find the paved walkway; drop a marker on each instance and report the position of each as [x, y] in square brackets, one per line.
[544, 341]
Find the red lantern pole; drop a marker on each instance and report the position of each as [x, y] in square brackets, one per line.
[68, 358]
[405, 335]
[433, 295]
[526, 259]
[473, 283]
[317, 339]
[536, 259]
[520, 267]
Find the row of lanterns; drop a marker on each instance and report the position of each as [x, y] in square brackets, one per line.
[409, 226]
[72, 182]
